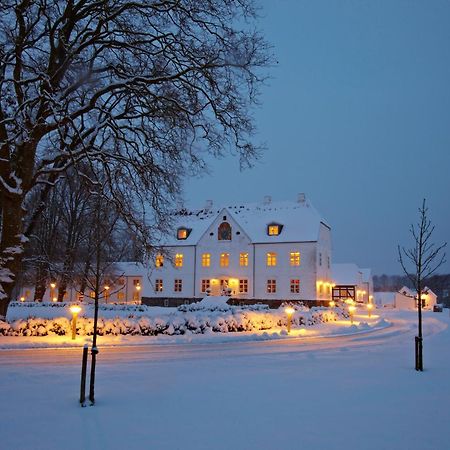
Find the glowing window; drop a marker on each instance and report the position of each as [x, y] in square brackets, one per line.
[224, 232]
[243, 286]
[295, 286]
[295, 258]
[224, 259]
[120, 296]
[179, 260]
[182, 233]
[271, 259]
[271, 286]
[92, 294]
[273, 230]
[243, 259]
[158, 285]
[206, 285]
[206, 259]
[178, 285]
[159, 262]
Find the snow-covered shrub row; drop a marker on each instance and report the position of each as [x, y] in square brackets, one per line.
[235, 319]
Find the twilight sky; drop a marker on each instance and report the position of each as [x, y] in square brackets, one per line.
[357, 116]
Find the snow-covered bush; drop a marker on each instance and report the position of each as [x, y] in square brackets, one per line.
[195, 318]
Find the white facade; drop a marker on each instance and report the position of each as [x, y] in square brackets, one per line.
[125, 284]
[405, 298]
[232, 250]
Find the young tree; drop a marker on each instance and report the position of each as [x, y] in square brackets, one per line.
[144, 90]
[424, 258]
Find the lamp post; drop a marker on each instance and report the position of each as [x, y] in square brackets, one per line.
[52, 291]
[74, 309]
[369, 309]
[351, 310]
[289, 312]
[138, 289]
[106, 293]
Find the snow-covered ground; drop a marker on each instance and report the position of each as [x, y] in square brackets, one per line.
[235, 390]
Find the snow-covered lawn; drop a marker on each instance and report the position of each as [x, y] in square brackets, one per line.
[357, 391]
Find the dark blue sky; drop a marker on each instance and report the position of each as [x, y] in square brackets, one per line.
[357, 116]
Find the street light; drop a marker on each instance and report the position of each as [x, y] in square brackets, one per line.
[351, 310]
[289, 312]
[369, 309]
[52, 291]
[74, 309]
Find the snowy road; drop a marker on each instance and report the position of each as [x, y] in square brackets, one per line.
[396, 334]
[350, 392]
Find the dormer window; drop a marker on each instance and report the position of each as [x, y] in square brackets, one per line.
[274, 229]
[224, 232]
[183, 233]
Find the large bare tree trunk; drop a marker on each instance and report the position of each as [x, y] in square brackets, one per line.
[11, 247]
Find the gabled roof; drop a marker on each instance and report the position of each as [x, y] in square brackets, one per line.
[346, 274]
[300, 220]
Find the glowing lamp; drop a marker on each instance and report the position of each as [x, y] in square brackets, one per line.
[53, 285]
[54, 299]
[22, 299]
[289, 312]
[332, 304]
[351, 310]
[369, 308]
[74, 309]
[138, 287]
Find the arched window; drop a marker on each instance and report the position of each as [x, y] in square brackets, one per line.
[224, 232]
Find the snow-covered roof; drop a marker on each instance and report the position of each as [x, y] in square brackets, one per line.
[300, 221]
[130, 269]
[346, 274]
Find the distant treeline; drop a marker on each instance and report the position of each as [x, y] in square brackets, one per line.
[439, 284]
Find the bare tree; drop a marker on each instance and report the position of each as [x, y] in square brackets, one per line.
[143, 90]
[424, 258]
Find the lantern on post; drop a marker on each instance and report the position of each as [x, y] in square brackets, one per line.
[74, 309]
[289, 312]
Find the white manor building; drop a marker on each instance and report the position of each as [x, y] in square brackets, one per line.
[261, 252]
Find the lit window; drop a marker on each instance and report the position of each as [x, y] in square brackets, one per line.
[206, 284]
[273, 230]
[158, 285]
[136, 282]
[295, 258]
[178, 286]
[243, 259]
[295, 286]
[179, 260]
[182, 233]
[243, 286]
[92, 294]
[271, 259]
[224, 259]
[224, 232]
[206, 259]
[120, 296]
[159, 260]
[271, 286]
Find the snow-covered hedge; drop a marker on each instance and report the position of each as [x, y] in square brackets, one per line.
[195, 318]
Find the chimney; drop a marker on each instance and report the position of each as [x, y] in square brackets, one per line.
[267, 200]
[208, 205]
[301, 198]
